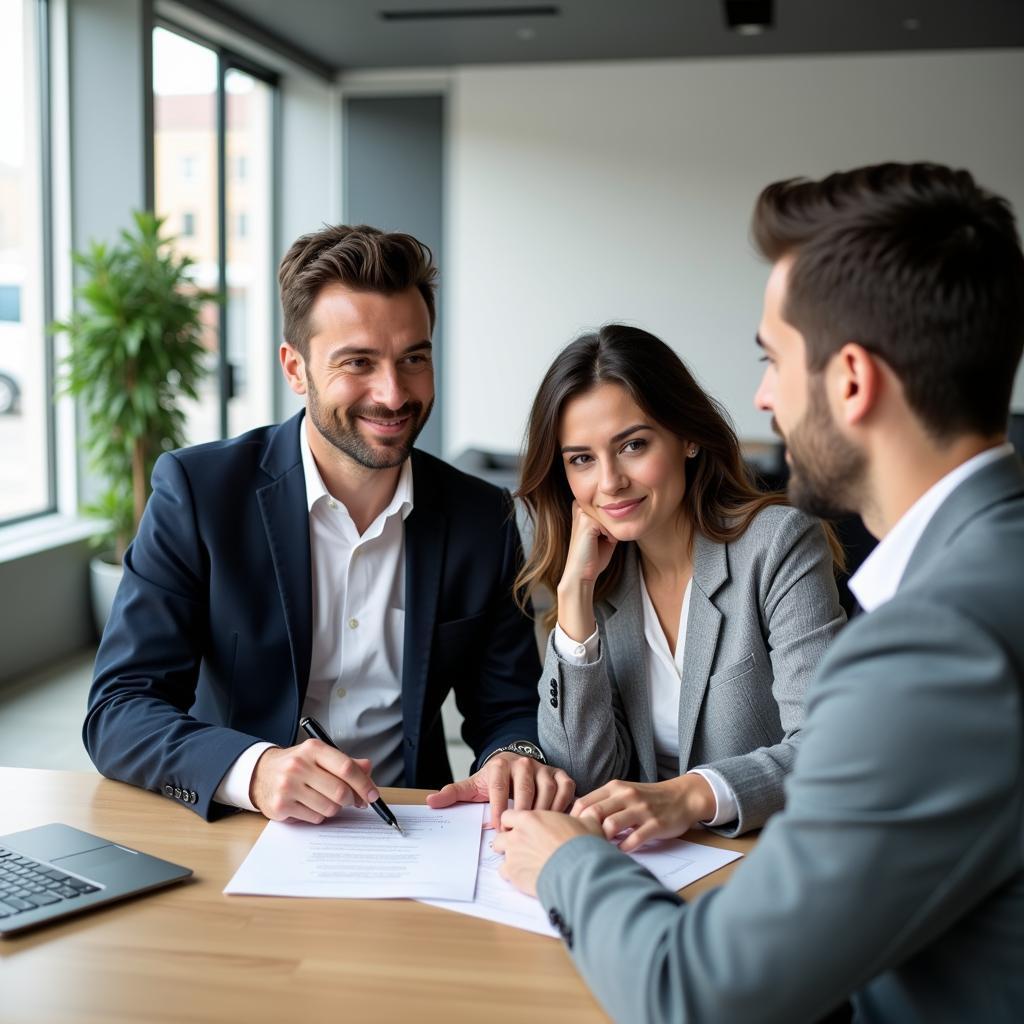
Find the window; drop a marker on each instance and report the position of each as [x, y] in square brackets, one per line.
[26, 381]
[214, 107]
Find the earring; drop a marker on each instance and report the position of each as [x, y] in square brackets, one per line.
[692, 451]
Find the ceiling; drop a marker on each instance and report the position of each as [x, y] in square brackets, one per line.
[345, 34]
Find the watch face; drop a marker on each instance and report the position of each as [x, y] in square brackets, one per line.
[528, 749]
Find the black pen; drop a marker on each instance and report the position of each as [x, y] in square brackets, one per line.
[316, 731]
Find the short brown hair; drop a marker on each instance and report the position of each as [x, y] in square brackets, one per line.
[360, 257]
[920, 266]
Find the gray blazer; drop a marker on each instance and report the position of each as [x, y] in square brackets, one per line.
[763, 609]
[896, 870]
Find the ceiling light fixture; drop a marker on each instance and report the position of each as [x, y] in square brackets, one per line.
[467, 13]
[749, 17]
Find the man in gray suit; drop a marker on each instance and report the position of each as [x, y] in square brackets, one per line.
[893, 325]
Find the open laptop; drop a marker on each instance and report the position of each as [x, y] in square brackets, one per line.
[55, 870]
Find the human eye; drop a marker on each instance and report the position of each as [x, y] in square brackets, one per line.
[579, 460]
[356, 365]
[417, 360]
[635, 445]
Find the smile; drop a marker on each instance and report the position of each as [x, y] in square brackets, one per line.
[621, 509]
[394, 426]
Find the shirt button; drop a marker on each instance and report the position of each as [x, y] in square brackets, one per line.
[340, 691]
[331, 503]
[352, 623]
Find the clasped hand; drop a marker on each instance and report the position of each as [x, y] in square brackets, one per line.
[653, 810]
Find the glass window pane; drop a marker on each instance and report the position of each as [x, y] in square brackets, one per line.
[25, 388]
[185, 170]
[250, 338]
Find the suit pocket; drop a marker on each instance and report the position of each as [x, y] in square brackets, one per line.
[734, 671]
[460, 627]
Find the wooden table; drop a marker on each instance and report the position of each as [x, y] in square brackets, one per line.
[189, 953]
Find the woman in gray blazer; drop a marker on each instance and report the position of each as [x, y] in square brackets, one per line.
[691, 608]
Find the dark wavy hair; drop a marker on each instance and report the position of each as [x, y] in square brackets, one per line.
[721, 497]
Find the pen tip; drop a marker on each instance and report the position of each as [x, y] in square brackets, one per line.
[401, 831]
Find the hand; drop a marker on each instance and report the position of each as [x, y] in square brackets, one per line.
[531, 837]
[590, 550]
[310, 782]
[530, 783]
[654, 810]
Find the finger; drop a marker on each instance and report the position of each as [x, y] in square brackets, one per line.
[638, 837]
[524, 787]
[320, 805]
[509, 820]
[497, 789]
[346, 768]
[545, 789]
[463, 791]
[499, 844]
[613, 824]
[564, 790]
[331, 789]
[589, 799]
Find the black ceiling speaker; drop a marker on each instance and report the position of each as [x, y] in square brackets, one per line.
[749, 17]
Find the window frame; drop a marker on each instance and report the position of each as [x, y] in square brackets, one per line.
[227, 60]
[43, 218]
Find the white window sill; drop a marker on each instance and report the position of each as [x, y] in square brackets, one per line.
[30, 538]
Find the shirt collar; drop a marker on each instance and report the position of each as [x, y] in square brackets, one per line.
[316, 489]
[877, 580]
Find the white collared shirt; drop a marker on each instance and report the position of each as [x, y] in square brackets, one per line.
[358, 590]
[664, 681]
[877, 580]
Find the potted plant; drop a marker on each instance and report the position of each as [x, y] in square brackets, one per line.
[134, 352]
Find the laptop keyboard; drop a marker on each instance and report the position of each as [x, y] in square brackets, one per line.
[26, 884]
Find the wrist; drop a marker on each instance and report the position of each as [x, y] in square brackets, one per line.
[700, 799]
[575, 600]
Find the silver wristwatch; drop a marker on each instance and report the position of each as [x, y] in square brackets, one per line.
[522, 747]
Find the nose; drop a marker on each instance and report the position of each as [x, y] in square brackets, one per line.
[612, 477]
[388, 389]
[763, 397]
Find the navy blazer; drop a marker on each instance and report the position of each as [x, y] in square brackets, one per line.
[207, 649]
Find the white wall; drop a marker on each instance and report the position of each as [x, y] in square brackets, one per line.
[584, 193]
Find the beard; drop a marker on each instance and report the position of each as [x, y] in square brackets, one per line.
[826, 472]
[339, 427]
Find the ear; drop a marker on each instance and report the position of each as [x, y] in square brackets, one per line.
[854, 383]
[294, 368]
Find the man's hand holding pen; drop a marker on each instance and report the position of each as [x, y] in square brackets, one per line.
[311, 782]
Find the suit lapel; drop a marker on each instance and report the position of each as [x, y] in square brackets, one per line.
[710, 571]
[627, 656]
[286, 522]
[425, 537]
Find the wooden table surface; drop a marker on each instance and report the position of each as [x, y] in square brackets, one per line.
[189, 953]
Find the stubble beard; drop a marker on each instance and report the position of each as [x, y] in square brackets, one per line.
[339, 428]
[827, 474]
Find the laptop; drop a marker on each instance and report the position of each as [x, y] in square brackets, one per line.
[54, 871]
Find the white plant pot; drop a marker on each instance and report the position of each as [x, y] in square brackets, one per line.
[104, 579]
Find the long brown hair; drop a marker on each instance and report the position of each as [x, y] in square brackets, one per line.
[721, 497]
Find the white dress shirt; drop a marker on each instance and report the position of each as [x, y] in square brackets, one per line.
[877, 580]
[664, 680]
[358, 590]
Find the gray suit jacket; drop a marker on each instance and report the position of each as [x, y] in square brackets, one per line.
[763, 610]
[896, 870]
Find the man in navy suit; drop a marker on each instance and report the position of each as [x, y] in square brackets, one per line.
[323, 567]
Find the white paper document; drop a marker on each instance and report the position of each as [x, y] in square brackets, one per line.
[357, 856]
[674, 862]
